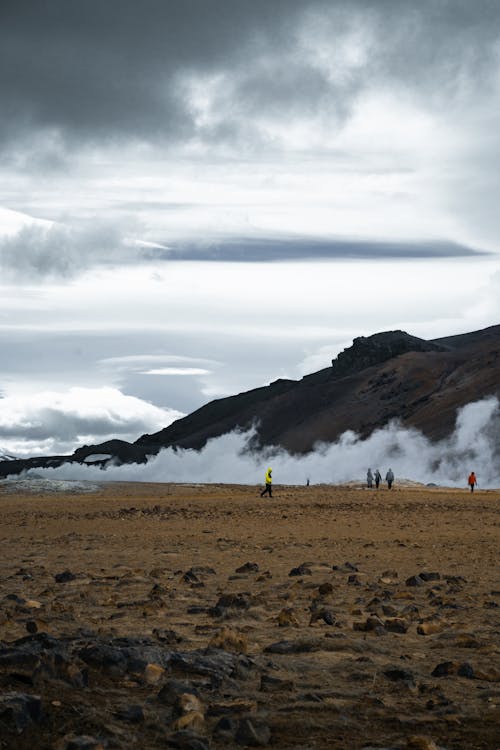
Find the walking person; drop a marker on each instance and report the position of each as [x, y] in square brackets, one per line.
[389, 478]
[472, 481]
[369, 479]
[378, 477]
[269, 483]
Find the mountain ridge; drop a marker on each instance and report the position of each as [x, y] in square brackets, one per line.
[379, 378]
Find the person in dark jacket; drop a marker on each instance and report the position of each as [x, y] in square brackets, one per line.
[369, 479]
[378, 477]
[389, 478]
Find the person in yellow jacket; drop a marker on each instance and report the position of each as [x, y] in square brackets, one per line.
[269, 483]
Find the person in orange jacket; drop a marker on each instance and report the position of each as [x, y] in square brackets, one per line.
[472, 481]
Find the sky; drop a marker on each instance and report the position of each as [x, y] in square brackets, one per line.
[199, 197]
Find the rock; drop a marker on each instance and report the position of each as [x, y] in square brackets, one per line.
[226, 602]
[64, 577]
[249, 567]
[172, 690]
[396, 625]
[492, 674]
[153, 673]
[189, 703]
[431, 627]
[230, 640]
[372, 623]
[396, 674]
[80, 742]
[354, 580]
[417, 742]
[325, 589]
[169, 637]
[466, 670]
[192, 720]
[325, 615]
[444, 669]
[414, 581]
[347, 567]
[287, 618]
[301, 570]
[252, 733]
[133, 714]
[226, 728]
[19, 710]
[184, 739]
[430, 576]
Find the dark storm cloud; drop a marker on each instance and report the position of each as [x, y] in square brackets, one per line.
[60, 252]
[98, 71]
[268, 250]
[39, 253]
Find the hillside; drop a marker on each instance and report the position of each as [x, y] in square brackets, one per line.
[379, 378]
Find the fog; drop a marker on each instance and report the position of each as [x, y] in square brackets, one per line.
[474, 445]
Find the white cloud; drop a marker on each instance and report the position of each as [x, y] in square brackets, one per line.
[176, 371]
[57, 422]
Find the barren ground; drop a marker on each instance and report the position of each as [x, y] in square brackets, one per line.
[291, 665]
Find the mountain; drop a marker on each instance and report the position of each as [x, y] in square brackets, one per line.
[380, 377]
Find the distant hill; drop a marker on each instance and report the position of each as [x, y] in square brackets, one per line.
[380, 377]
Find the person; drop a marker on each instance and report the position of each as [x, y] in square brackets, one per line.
[369, 478]
[378, 477]
[472, 481]
[269, 483]
[389, 478]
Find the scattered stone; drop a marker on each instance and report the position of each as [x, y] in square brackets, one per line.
[249, 567]
[447, 668]
[301, 570]
[430, 576]
[396, 674]
[253, 733]
[153, 673]
[417, 742]
[325, 589]
[326, 615]
[172, 690]
[81, 742]
[64, 577]
[414, 581]
[19, 710]
[432, 627]
[169, 637]
[185, 739]
[192, 720]
[226, 728]
[226, 602]
[396, 625]
[132, 714]
[287, 618]
[354, 580]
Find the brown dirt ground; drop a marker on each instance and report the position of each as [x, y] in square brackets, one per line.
[124, 538]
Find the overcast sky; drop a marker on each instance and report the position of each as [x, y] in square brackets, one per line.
[199, 197]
